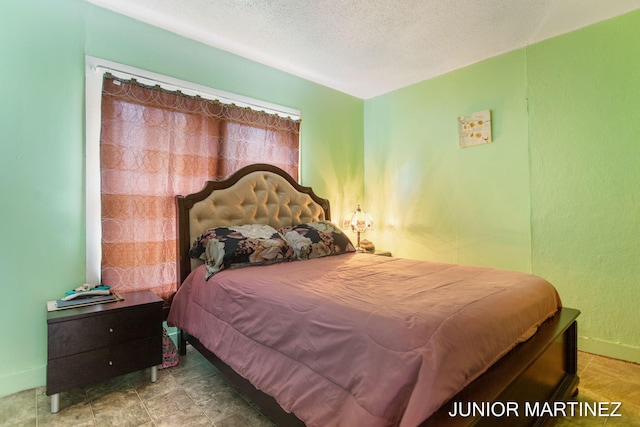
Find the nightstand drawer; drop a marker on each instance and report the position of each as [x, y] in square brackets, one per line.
[85, 368]
[103, 330]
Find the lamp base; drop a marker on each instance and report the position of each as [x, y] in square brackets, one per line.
[366, 246]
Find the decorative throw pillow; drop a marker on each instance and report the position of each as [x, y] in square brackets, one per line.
[317, 239]
[240, 246]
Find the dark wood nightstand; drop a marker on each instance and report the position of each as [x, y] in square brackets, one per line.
[94, 343]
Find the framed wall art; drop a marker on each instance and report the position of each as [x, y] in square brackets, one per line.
[474, 129]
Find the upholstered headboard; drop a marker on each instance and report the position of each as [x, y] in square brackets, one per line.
[256, 194]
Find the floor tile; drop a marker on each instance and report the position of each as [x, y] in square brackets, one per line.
[190, 417]
[244, 419]
[75, 409]
[165, 384]
[18, 409]
[605, 381]
[174, 401]
[130, 415]
[222, 403]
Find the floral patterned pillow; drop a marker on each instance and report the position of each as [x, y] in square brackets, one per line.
[240, 246]
[316, 240]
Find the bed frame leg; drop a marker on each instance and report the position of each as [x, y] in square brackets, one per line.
[182, 343]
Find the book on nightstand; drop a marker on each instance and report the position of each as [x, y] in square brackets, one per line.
[83, 300]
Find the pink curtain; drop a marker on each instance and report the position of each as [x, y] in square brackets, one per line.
[156, 144]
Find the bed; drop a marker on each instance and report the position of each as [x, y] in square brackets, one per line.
[319, 335]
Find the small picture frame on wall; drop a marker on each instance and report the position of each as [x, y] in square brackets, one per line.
[474, 129]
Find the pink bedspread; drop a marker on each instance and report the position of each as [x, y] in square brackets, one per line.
[362, 340]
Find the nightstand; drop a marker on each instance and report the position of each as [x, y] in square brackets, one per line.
[94, 343]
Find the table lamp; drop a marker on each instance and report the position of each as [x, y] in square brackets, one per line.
[358, 221]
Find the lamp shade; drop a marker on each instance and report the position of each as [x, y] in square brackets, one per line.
[358, 221]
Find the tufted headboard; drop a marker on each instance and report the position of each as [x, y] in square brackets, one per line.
[256, 194]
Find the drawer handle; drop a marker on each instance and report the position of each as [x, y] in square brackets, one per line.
[111, 330]
[110, 363]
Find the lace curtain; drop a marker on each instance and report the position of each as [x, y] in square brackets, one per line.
[156, 144]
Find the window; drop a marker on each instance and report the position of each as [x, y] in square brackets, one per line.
[155, 142]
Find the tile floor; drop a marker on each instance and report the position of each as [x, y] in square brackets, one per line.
[193, 394]
[607, 380]
[190, 394]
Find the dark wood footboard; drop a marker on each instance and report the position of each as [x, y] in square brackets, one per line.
[542, 369]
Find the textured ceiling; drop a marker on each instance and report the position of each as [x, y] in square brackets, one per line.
[369, 47]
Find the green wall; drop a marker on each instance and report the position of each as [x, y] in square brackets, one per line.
[42, 237]
[556, 193]
[433, 200]
[584, 103]
[41, 170]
